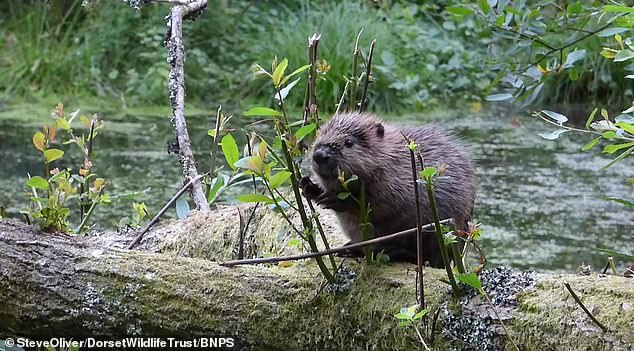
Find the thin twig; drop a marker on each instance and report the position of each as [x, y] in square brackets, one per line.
[419, 236]
[583, 307]
[331, 251]
[352, 98]
[498, 317]
[368, 71]
[89, 212]
[163, 210]
[214, 147]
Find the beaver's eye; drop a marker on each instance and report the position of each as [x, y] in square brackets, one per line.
[348, 143]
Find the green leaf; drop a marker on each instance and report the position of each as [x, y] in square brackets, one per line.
[420, 314]
[402, 316]
[623, 55]
[343, 195]
[484, 6]
[626, 127]
[554, 135]
[37, 182]
[618, 200]
[279, 72]
[212, 133]
[255, 198]
[470, 279]
[561, 119]
[217, 184]
[573, 74]
[610, 134]
[279, 178]
[182, 208]
[284, 92]
[294, 242]
[53, 154]
[262, 111]
[617, 254]
[304, 131]
[459, 10]
[591, 144]
[499, 97]
[610, 149]
[575, 8]
[62, 124]
[619, 158]
[608, 32]
[574, 57]
[297, 71]
[618, 8]
[38, 141]
[428, 172]
[608, 53]
[230, 150]
[591, 117]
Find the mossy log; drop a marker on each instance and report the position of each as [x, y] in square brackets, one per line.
[55, 285]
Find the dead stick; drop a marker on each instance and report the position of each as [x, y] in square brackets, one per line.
[331, 251]
[163, 210]
[583, 307]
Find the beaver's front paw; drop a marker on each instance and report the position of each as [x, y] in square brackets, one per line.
[333, 202]
[311, 190]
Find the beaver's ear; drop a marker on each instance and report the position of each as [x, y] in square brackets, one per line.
[380, 130]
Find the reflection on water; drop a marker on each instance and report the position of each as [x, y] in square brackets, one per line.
[536, 200]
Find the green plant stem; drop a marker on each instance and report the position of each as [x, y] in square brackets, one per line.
[89, 213]
[365, 222]
[419, 235]
[538, 114]
[313, 42]
[343, 96]
[320, 229]
[439, 237]
[352, 97]
[366, 83]
[285, 124]
[282, 212]
[214, 148]
[302, 211]
[420, 337]
[498, 317]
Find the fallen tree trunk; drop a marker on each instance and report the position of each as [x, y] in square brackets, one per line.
[54, 286]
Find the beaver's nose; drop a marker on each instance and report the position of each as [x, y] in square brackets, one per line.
[320, 156]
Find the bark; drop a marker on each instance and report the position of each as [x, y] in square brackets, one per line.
[57, 285]
[176, 59]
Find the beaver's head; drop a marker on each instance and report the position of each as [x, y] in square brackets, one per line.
[348, 143]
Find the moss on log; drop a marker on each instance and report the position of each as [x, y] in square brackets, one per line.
[55, 285]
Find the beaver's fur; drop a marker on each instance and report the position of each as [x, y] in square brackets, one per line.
[377, 153]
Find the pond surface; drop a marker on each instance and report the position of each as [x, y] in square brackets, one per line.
[536, 199]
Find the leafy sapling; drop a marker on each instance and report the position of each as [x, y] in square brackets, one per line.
[412, 317]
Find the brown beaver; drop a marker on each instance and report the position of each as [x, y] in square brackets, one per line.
[377, 153]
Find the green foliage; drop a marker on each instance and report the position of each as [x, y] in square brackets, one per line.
[113, 51]
[409, 315]
[51, 195]
[137, 218]
[551, 54]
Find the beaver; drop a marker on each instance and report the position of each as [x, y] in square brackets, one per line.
[377, 153]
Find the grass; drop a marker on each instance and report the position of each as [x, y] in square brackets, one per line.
[115, 55]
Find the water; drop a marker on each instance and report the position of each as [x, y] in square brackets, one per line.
[536, 199]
